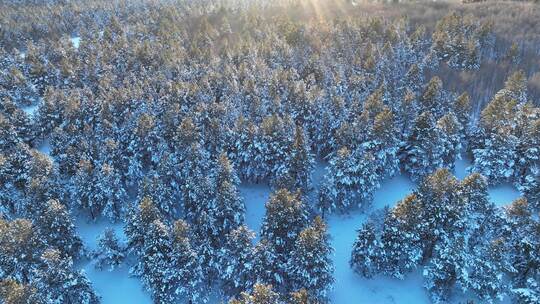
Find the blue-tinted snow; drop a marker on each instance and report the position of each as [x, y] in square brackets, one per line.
[255, 197]
[45, 147]
[30, 110]
[503, 194]
[76, 41]
[113, 286]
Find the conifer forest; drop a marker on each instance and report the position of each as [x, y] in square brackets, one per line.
[269, 152]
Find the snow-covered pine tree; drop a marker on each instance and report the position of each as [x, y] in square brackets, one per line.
[285, 218]
[57, 282]
[138, 223]
[236, 259]
[20, 249]
[384, 145]
[401, 238]
[185, 276]
[522, 243]
[528, 158]
[496, 159]
[515, 88]
[482, 216]
[487, 265]
[349, 182]
[445, 268]
[407, 112]
[110, 193]
[153, 186]
[110, 253]
[154, 264]
[441, 211]
[367, 250]
[83, 189]
[423, 152]
[276, 138]
[295, 172]
[310, 265]
[462, 108]
[13, 292]
[195, 183]
[434, 98]
[57, 229]
[261, 294]
[229, 208]
[450, 128]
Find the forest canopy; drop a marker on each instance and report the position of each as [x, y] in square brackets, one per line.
[152, 113]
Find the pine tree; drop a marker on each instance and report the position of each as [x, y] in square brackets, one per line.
[385, 144]
[261, 294]
[366, 257]
[13, 292]
[20, 249]
[496, 159]
[528, 157]
[450, 128]
[310, 265]
[515, 87]
[229, 209]
[462, 108]
[186, 274]
[434, 99]
[56, 227]
[349, 182]
[401, 238]
[236, 259]
[110, 192]
[56, 282]
[154, 265]
[110, 253]
[295, 172]
[486, 272]
[195, 183]
[423, 152]
[154, 187]
[446, 267]
[138, 222]
[285, 218]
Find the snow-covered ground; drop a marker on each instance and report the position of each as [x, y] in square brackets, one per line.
[45, 147]
[30, 110]
[113, 286]
[255, 197]
[76, 41]
[119, 287]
